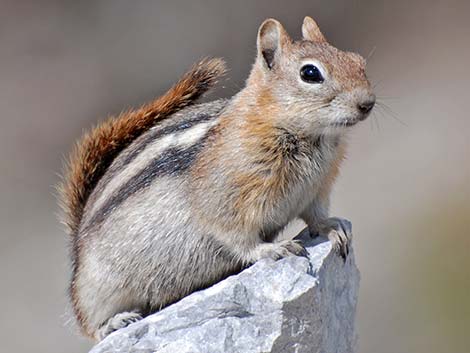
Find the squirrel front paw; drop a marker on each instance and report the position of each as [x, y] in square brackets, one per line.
[339, 232]
[278, 250]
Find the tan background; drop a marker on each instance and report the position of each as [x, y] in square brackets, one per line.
[405, 186]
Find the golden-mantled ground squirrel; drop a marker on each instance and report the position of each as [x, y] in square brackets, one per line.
[173, 197]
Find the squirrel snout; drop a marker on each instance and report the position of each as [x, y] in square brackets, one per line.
[366, 105]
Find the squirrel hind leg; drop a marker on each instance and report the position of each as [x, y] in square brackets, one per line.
[117, 322]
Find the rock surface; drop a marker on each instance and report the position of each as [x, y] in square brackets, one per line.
[292, 305]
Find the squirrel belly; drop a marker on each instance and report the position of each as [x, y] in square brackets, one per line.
[198, 192]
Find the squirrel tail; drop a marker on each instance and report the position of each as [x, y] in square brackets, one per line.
[96, 150]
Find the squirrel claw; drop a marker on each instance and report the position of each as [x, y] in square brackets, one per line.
[339, 232]
[279, 250]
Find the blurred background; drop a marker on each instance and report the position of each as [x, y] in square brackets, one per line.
[405, 185]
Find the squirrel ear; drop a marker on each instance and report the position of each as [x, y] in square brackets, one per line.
[272, 38]
[311, 32]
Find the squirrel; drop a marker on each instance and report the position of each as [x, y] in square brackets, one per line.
[175, 196]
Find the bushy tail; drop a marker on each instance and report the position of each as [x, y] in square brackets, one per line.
[96, 150]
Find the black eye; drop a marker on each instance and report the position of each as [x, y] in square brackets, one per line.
[311, 74]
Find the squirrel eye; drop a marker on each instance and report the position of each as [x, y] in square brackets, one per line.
[311, 74]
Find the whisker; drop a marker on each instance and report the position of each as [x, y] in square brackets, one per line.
[376, 84]
[386, 97]
[377, 122]
[388, 111]
[371, 53]
[374, 123]
[371, 124]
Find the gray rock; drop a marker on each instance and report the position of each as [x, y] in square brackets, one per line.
[291, 305]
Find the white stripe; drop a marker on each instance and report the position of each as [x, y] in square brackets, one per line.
[182, 139]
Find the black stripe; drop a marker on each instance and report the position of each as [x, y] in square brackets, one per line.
[181, 126]
[129, 154]
[173, 162]
[159, 133]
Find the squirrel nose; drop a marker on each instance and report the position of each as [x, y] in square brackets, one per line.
[366, 106]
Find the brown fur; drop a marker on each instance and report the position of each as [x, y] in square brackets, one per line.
[97, 149]
[330, 178]
[259, 188]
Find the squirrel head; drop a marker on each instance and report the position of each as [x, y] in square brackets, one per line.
[318, 87]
